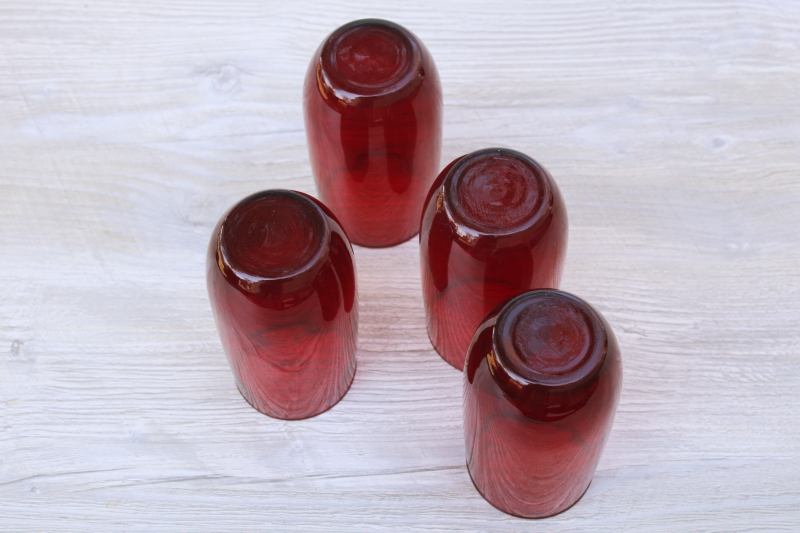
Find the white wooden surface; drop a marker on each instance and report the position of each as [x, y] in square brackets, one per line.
[128, 127]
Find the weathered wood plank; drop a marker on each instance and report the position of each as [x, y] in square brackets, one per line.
[126, 129]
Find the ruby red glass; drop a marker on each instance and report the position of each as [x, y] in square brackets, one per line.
[541, 386]
[494, 225]
[282, 285]
[373, 115]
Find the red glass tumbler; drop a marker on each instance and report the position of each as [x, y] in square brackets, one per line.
[541, 386]
[373, 115]
[281, 280]
[494, 225]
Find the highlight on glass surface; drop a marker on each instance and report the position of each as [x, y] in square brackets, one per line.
[373, 115]
[541, 387]
[281, 280]
[493, 225]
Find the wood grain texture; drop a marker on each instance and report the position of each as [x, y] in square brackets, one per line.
[127, 128]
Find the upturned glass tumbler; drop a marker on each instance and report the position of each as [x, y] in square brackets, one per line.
[373, 116]
[494, 225]
[281, 280]
[541, 387]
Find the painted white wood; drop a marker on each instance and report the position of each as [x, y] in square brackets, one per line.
[127, 128]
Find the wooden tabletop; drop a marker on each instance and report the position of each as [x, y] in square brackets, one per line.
[128, 128]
